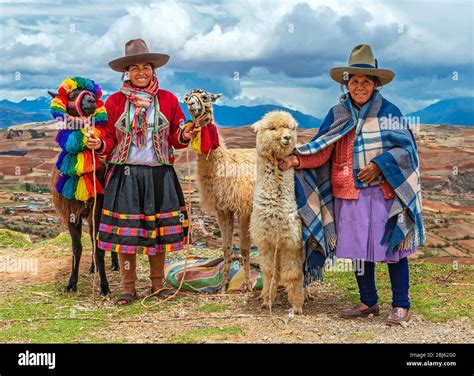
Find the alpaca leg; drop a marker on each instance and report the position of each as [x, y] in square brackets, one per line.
[245, 251]
[226, 225]
[270, 278]
[295, 290]
[75, 230]
[293, 279]
[308, 295]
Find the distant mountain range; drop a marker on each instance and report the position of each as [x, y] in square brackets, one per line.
[457, 111]
[244, 115]
[24, 112]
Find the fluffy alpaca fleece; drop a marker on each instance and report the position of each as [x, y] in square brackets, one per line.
[226, 179]
[275, 223]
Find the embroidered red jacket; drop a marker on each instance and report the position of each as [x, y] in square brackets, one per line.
[117, 134]
[342, 182]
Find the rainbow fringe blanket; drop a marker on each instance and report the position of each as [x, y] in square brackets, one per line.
[203, 274]
[75, 162]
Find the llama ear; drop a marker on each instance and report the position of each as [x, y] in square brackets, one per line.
[54, 95]
[215, 97]
[255, 126]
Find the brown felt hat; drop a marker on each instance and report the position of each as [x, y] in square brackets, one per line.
[362, 61]
[136, 52]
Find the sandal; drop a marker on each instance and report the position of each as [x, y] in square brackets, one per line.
[127, 298]
[164, 292]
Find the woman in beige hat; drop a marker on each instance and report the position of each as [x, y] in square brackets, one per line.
[144, 210]
[358, 187]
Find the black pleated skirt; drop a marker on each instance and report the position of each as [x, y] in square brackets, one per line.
[144, 211]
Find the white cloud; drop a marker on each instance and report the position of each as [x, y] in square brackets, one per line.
[46, 42]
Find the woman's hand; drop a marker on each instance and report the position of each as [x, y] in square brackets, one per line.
[369, 173]
[288, 162]
[190, 132]
[94, 143]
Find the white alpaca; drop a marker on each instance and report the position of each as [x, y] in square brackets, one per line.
[275, 224]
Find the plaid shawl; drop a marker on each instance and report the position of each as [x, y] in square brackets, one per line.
[386, 140]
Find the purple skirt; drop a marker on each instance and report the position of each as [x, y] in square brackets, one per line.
[360, 225]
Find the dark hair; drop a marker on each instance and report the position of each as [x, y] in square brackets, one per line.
[374, 79]
[126, 70]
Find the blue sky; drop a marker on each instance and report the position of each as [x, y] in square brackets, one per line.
[252, 51]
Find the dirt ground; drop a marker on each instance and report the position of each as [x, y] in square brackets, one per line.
[225, 318]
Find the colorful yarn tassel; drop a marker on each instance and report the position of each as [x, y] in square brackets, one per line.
[61, 138]
[59, 161]
[61, 179]
[71, 169]
[81, 193]
[75, 143]
[85, 164]
[90, 185]
[66, 160]
[69, 187]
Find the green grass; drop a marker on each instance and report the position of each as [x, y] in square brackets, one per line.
[63, 240]
[28, 305]
[209, 333]
[437, 291]
[212, 307]
[12, 239]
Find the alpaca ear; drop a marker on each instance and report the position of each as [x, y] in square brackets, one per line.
[255, 126]
[215, 97]
[54, 95]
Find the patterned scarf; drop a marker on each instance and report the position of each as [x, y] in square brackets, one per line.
[141, 99]
[388, 141]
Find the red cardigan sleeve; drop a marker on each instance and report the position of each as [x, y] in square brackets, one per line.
[108, 137]
[315, 160]
[176, 120]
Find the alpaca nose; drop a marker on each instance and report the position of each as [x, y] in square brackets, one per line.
[286, 140]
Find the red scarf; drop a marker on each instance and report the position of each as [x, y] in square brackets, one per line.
[141, 99]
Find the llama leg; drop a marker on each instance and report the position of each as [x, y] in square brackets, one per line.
[115, 262]
[245, 251]
[100, 260]
[75, 230]
[226, 225]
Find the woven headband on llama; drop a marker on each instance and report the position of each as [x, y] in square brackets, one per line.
[75, 163]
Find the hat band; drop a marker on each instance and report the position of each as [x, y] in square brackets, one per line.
[363, 66]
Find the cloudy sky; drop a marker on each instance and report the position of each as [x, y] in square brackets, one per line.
[252, 51]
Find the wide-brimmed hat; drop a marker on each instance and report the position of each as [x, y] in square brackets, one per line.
[136, 51]
[362, 61]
